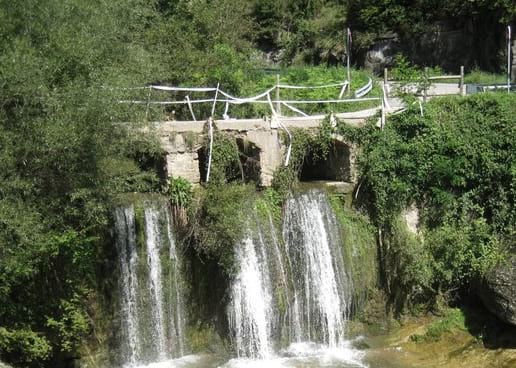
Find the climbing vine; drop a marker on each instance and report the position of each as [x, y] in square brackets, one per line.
[305, 144]
[225, 162]
[219, 221]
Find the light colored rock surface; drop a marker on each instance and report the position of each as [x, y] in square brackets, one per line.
[411, 217]
[185, 165]
[380, 55]
[182, 159]
[271, 152]
[443, 89]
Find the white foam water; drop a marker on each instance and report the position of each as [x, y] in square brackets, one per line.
[322, 288]
[250, 306]
[128, 261]
[151, 300]
[154, 244]
[310, 264]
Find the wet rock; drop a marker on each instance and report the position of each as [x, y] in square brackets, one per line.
[498, 291]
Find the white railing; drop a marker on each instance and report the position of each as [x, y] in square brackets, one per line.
[261, 98]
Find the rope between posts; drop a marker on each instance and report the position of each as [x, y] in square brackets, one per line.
[385, 99]
[328, 101]
[184, 102]
[286, 86]
[184, 89]
[238, 100]
[270, 105]
[343, 89]
[294, 109]
[190, 108]
[225, 116]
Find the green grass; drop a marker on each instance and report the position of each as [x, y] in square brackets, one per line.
[306, 76]
[259, 81]
[454, 319]
[480, 77]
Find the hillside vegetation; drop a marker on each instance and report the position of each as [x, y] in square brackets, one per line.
[456, 164]
[64, 156]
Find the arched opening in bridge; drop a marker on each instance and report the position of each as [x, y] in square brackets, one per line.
[152, 162]
[246, 169]
[334, 167]
[249, 154]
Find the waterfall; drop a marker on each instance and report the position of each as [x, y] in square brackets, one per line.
[150, 287]
[128, 259]
[250, 307]
[177, 328]
[153, 242]
[322, 287]
[291, 288]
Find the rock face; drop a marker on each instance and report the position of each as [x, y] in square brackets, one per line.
[498, 291]
[411, 217]
[381, 54]
[443, 44]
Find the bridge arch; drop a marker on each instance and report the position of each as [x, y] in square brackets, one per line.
[247, 169]
[337, 165]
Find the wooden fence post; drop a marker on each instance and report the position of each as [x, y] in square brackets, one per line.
[385, 76]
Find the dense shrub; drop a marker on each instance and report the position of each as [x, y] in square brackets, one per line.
[456, 163]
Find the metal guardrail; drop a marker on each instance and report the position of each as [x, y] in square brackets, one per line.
[361, 92]
[473, 88]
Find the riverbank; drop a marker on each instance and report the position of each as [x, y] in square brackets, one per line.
[441, 341]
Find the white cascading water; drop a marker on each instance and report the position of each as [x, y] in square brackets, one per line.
[293, 293]
[177, 328]
[153, 242]
[250, 308]
[128, 261]
[311, 237]
[151, 300]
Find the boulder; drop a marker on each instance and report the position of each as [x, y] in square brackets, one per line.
[498, 291]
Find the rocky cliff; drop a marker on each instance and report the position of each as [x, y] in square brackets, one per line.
[498, 291]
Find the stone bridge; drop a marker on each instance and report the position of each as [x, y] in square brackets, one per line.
[260, 138]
